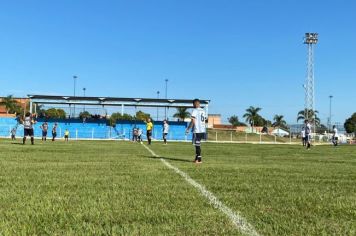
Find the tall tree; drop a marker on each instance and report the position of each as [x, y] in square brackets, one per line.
[182, 113]
[312, 116]
[117, 116]
[234, 120]
[55, 113]
[252, 117]
[140, 115]
[279, 121]
[10, 104]
[350, 124]
[84, 114]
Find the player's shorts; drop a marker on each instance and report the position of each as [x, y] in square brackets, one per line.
[149, 133]
[336, 138]
[307, 138]
[54, 134]
[66, 136]
[165, 135]
[44, 133]
[197, 137]
[28, 132]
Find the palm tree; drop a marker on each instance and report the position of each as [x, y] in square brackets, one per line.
[312, 116]
[279, 121]
[234, 120]
[9, 103]
[182, 113]
[252, 115]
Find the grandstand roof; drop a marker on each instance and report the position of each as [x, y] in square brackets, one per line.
[113, 101]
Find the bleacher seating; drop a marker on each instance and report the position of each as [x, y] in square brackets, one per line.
[96, 129]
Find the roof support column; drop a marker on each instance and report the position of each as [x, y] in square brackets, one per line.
[31, 106]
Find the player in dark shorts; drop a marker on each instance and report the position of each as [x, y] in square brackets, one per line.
[13, 134]
[199, 129]
[149, 128]
[165, 131]
[28, 128]
[308, 130]
[44, 128]
[54, 132]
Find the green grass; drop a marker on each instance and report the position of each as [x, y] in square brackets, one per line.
[118, 188]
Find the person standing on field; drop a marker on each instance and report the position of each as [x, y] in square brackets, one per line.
[198, 118]
[165, 131]
[335, 137]
[44, 128]
[13, 134]
[28, 128]
[139, 135]
[66, 135]
[54, 132]
[303, 137]
[307, 129]
[149, 128]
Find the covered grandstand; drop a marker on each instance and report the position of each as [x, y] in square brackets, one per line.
[100, 128]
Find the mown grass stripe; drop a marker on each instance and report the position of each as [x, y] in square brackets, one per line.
[240, 222]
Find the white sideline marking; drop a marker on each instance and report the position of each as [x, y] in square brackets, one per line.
[239, 221]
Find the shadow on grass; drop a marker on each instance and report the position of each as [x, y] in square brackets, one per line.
[17, 143]
[169, 158]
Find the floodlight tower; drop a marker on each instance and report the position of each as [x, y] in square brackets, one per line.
[310, 40]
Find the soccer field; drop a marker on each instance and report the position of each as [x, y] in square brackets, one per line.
[120, 188]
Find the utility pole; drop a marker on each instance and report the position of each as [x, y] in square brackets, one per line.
[84, 89]
[75, 85]
[166, 97]
[330, 114]
[157, 107]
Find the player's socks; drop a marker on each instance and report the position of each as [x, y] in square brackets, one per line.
[24, 140]
[32, 140]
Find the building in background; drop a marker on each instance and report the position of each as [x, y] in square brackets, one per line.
[214, 119]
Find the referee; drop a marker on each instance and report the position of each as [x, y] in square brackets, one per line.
[149, 128]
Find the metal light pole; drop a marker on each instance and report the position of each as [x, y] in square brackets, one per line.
[166, 96]
[84, 89]
[330, 114]
[75, 85]
[310, 40]
[157, 107]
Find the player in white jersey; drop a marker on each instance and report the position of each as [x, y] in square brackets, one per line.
[308, 130]
[335, 137]
[302, 133]
[165, 131]
[199, 128]
[28, 127]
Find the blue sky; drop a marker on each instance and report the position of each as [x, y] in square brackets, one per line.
[236, 53]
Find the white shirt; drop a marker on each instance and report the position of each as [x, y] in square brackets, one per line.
[308, 129]
[335, 132]
[303, 133]
[27, 123]
[199, 115]
[165, 128]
